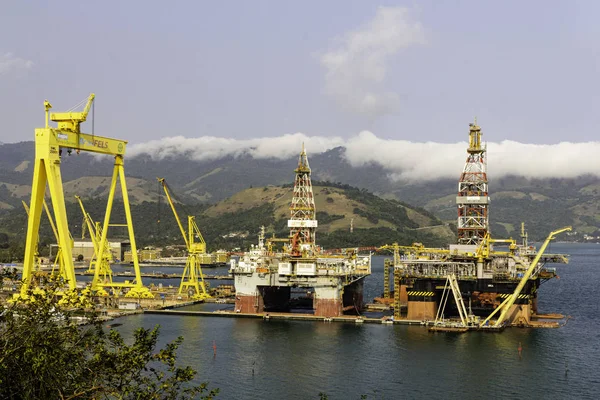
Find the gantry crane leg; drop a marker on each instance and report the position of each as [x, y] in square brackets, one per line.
[96, 284]
[137, 289]
[33, 223]
[60, 214]
[47, 171]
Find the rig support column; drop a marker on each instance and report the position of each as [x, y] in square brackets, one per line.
[352, 297]
[249, 303]
[327, 301]
[421, 306]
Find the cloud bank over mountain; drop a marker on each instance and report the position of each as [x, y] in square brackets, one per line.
[208, 148]
[402, 159]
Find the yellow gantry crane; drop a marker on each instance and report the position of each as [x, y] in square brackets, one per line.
[103, 254]
[506, 305]
[193, 268]
[49, 145]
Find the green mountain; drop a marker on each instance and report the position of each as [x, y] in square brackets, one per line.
[543, 204]
[236, 221]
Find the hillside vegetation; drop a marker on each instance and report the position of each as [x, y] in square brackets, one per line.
[543, 204]
[235, 222]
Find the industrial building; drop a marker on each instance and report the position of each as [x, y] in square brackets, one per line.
[86, 249]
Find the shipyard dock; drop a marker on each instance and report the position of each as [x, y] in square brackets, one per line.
[275, 316]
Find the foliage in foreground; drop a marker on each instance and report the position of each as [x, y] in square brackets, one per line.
[45, 355]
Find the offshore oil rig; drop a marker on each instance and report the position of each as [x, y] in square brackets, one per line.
[264, 278]
[492, 276]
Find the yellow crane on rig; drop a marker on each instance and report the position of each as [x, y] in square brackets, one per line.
[49, 145]
[104, 255]
[506, 305]
[192, 276]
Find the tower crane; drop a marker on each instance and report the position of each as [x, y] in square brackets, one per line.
[103, 254]
[193, 268]
[49, 145]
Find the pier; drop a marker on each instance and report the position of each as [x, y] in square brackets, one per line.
[285, 317]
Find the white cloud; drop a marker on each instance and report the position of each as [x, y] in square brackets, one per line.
[407, 160]
[356, 70]
[212, 148]
[428, 160]
[412, 161]
[10, 63]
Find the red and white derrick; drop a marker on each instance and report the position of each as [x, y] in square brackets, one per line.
[473, 199]
[302, 222]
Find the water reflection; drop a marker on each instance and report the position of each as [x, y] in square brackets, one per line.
[298, 359]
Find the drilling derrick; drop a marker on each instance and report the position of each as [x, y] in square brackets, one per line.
[472, 199]
[302, 222]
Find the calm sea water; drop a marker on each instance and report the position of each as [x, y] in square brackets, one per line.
[259, 359]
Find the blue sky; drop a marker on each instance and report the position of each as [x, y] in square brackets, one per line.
[416, 71]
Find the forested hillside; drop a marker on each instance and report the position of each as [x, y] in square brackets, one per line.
[543, 204]
[234, 223]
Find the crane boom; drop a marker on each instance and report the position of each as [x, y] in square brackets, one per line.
[50, 220]
[71, 120]
[507, 304]
[170, 200]
[103, 254]
[90, 225]
[52, 225]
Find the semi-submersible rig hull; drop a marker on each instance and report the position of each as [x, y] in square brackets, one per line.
[264, 279]
[488, 275]
[486, 278]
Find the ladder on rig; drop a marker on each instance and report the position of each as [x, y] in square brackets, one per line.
[452, 286]
[460, 305]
